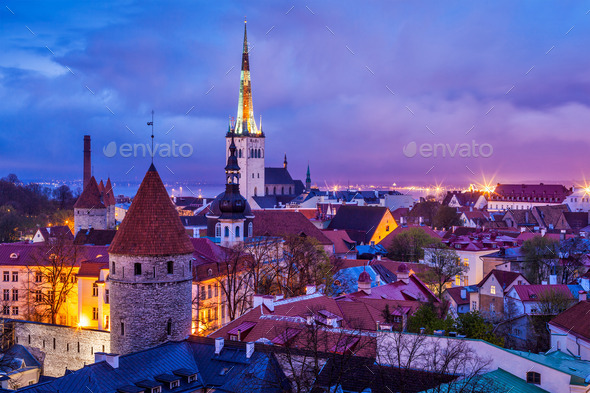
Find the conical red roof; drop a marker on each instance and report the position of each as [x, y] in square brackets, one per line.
[90, 197]
[109, 196]
[152, 225]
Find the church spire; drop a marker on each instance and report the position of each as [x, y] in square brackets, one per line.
[245, 123]
[308, 179]
[285, 162]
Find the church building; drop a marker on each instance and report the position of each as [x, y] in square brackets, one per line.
[263, 187]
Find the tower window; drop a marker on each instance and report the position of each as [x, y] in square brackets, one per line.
[282, 190]
[169, 327]
[113, 268]
[122, 328]
[255, 189]
[137, 269]
[259, 153]
[252, 176]
[240, 153]
[218, 230]
[170, 267]
[226, 232]
[237, 231]
[274, 191]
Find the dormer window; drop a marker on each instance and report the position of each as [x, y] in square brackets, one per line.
[14, 255]
[533, 377]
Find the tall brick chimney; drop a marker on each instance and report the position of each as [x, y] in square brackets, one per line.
[87, 163]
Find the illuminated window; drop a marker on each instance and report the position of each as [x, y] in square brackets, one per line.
[493, 289]
[107, 298]
[94, 313]
[14, 276]
[6, 276]
[457, 280]
[95, 289]
[15, 310]
[38, 277]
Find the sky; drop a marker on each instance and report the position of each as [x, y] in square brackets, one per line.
[378, 92]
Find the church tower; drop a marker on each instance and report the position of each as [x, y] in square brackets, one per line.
[150, 272]
[232, 205]
[248, 138]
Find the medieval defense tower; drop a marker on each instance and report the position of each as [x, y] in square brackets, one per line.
[150, 272]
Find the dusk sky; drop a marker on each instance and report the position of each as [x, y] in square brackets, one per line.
[343, 85]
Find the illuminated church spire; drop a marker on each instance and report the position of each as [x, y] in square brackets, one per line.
[245, 124]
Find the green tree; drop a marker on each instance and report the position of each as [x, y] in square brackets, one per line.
[446, 217]
[430, 316]
[408, 246]
[425, 209]
[540, 256]
[473, 325]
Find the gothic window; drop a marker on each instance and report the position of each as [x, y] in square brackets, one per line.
[259, 154]
[226, 232]
[255, 189]
[251, 153]
[170, 267]
[237, 231]
[218, 229]
[250, 229]
[137, 269]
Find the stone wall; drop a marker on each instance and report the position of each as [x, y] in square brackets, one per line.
[63, 347]
[87, 218]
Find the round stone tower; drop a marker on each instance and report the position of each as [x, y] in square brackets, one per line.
[150, 272]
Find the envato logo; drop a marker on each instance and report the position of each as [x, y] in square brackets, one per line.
[142, 149]
[463, 150]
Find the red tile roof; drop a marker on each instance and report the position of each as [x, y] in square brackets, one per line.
[93, 267]
[152, 225]
[109, 194]
[455, 294]
[532, 293]
[415, 289]
[504, 278]
[575, 320]
[56, 231]
[90, 197]
[557, 192]
[285, 223]
[343, 244]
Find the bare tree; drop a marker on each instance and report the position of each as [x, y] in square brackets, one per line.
[52, 277]
[451, 365]
[445, 266]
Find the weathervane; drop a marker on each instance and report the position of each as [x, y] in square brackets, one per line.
[151, 123]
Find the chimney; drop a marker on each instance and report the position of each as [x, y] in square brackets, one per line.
[310, 289]
[257, 300]
[269, 302]
[543, 232]
[218, 345]
[552, 279]
[463, 293]
[87, 161]
[378, 257]
[562, 235]
[99, 357]
[113, 359]
[582, 296]
[249, 349]
[378, 280]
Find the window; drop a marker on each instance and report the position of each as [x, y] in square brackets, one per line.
[493, 289]
[6, 310]
[94, 313]
[63, 278]
[106, 322]
[218, 230]
[6, 276]
[15, 295]
[209, 295]
[15, 310]
[226, 234]
[38, 296]
[137, 269]
[169, 327]
[170, 267]
[473, 306]
[107, 298]
[533, 377]
[256, 191]
[14, 276]
[6, 295]
[38, 277]
[122, 328]
[222, 311]
[237, 231]
[203, 294]
[216, 289]
[113, 268]
[95, 289]
[250, 229]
